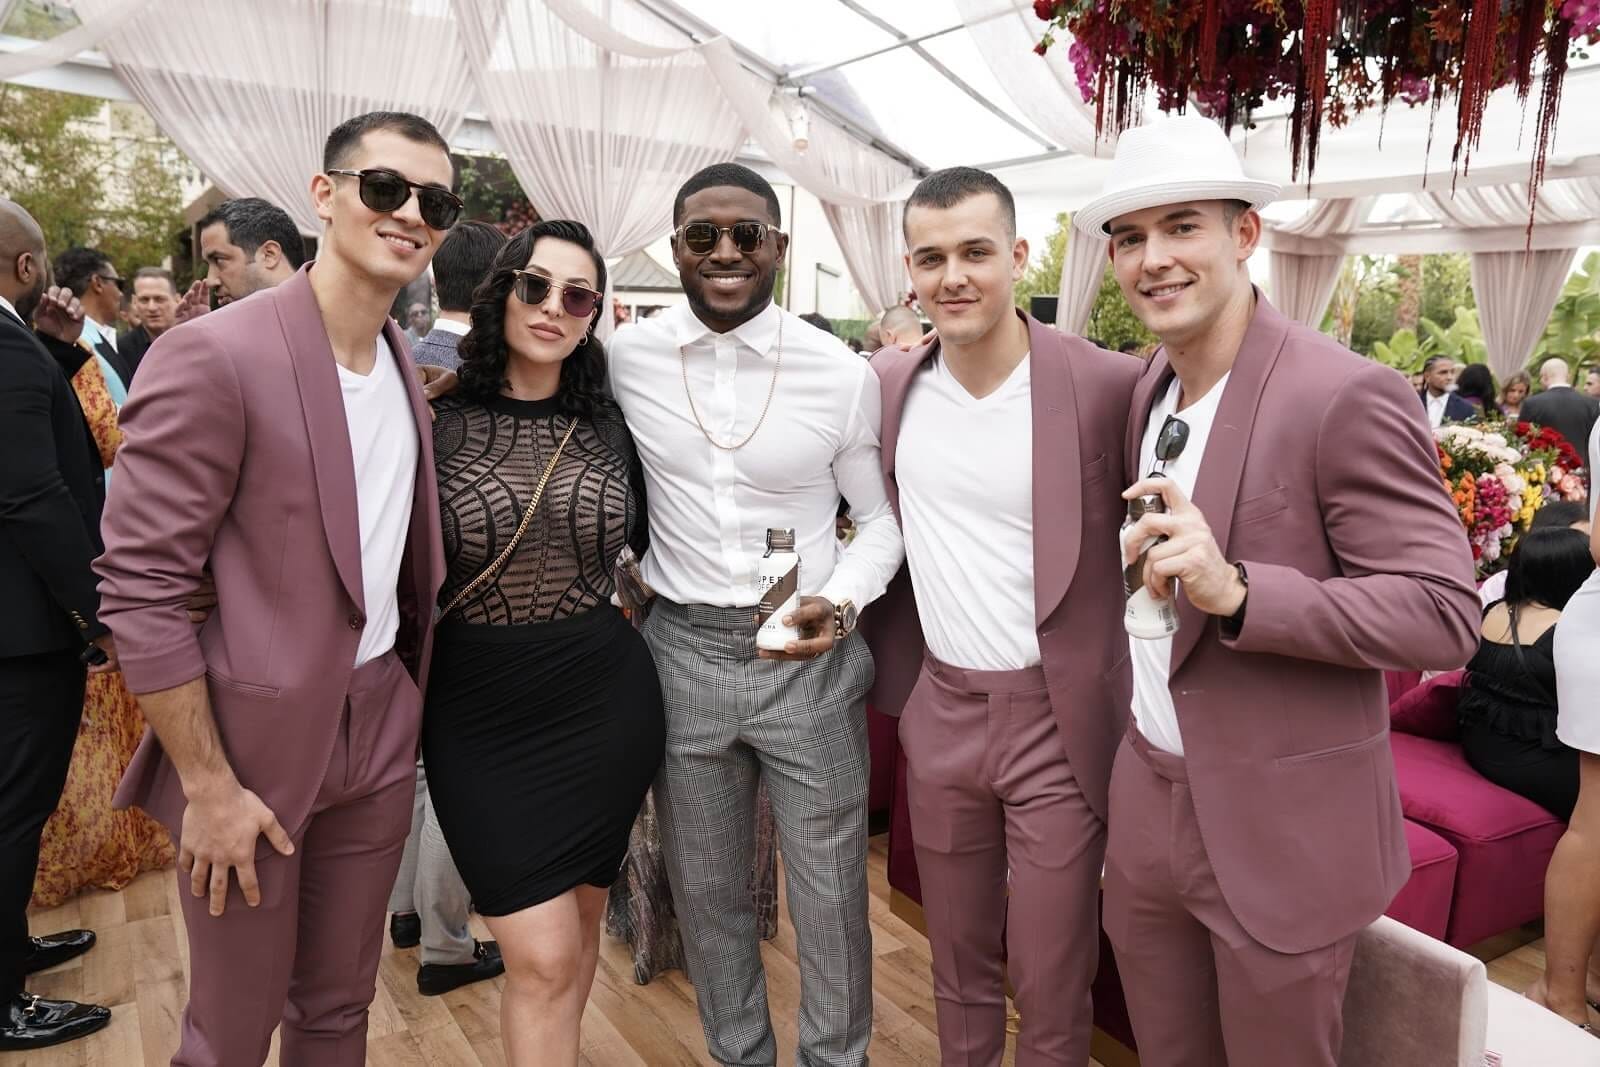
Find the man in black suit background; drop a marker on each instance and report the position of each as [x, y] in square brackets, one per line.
[155, 301]
[1560, 406]
[1438, 375]
[93, 279]
[51, 492]
[463, 260]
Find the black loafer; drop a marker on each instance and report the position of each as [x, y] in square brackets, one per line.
[29, 1022]
[434, 979]
[52, 950]
[405, 929]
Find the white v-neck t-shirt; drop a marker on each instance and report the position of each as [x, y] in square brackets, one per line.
[965, 469]
[1153, 709]
[384, 446]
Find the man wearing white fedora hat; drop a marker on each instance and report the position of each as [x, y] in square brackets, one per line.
[1255, 826]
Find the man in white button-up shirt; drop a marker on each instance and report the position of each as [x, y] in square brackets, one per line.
[748, 419]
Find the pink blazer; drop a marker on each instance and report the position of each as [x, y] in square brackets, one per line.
[236, 456]
[1080, 398]
[1321, 477]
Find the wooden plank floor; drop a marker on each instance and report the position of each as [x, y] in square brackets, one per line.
[138, 968]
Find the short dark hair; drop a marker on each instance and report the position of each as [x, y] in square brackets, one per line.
[949, 187]
[734, 174]
[251, 222]
[581, 391]
[465, 257]
[348, 134]
[819, 321]
[1548, 566]
[75, 266]
[1559, 514]
[155, 272]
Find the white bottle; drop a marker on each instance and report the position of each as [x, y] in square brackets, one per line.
[779, 586]
[1144, 616]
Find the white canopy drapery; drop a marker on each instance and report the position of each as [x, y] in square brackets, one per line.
[1302, 284]
[250, 91]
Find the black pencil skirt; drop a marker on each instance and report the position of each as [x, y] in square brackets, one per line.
[540, 741]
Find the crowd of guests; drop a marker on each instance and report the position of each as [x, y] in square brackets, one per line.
[312, 541]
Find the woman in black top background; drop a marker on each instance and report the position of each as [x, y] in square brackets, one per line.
[543, 726]
[1508, 709]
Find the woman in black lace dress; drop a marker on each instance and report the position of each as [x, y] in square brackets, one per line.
[543, 724]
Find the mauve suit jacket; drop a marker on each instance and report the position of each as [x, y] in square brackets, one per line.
[1080, 398]
[1357, 564]
[236, 456]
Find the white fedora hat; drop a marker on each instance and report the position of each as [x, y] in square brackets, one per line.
[1173, 160]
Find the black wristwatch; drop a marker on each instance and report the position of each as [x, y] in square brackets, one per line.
[1236, 620]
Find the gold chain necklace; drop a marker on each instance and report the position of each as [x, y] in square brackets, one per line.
[683, 361]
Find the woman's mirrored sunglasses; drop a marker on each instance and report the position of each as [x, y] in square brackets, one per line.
[531, 288]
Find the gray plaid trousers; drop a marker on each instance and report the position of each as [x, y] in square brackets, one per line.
[800, 727]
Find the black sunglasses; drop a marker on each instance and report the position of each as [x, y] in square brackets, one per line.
[1170, 441]
[531, 288]
[120, 283]
[702, 237]
[385, 191]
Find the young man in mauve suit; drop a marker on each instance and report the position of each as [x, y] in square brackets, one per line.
[282, 444]
[1002, 453]
[1255, 824]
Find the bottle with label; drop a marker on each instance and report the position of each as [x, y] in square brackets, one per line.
[779, 585]
[1143, 615]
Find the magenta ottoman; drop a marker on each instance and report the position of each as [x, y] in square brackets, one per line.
[1503, 841]
[1423, 903]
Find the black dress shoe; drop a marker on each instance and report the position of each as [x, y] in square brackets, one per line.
[405, 929]
[52, 950]
[30, 1022]
[436, 978]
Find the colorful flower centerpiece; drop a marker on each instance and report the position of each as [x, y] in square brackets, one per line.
[1499, 474]
[1331, 59]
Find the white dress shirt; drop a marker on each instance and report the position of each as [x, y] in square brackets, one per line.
[451, 326]
[93, 332]
[1436, 405]
[1153, 709]
[12, 308]
[965, 468]
[710, 508]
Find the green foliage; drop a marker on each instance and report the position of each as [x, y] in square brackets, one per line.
[39, 21]
[1111, 321]
[1573, 332]
[493, 194]
[1462, 340]
[1043, 276]
[1446, 285]
[62, 174]
[1404, 351]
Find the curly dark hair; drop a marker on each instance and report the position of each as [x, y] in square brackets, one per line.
[582, 389]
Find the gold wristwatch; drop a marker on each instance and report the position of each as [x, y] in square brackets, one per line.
[844, 620]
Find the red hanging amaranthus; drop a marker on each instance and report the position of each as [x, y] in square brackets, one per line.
[1332, 59]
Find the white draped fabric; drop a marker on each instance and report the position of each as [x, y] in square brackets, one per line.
[1045, 90]
[1081, 270]
[249, 91]
[1516, 291]
[63, 46]
[862, 190]
[593, 133]
[1302, 284]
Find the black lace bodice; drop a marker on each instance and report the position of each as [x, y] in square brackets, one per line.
[489, 459]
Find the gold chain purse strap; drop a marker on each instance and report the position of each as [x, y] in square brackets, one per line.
[516, 538]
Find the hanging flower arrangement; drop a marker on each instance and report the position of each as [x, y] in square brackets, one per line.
[1331, 59]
